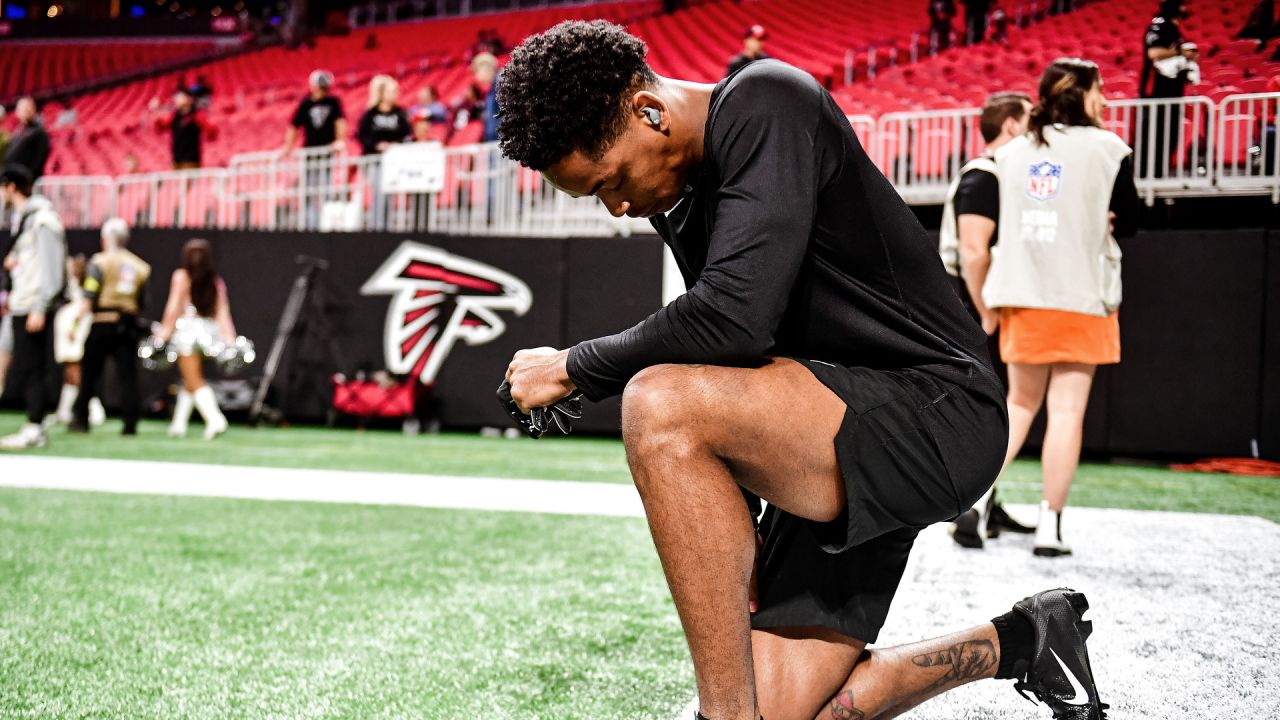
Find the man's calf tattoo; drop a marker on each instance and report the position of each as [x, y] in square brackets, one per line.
[842, 707]
[965, 661]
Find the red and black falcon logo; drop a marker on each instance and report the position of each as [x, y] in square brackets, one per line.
[440, 298]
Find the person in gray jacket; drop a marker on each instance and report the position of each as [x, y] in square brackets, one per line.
[37, 266]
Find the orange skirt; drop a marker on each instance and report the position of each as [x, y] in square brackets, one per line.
[1038, 337]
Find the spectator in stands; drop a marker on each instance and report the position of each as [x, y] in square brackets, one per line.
[324, 127]
[197, 321]
[187, 125]
[752, 49]
[1000, 26]
[319, 115]
[4, 142]
[29, 144]
[485, 80]
[429, 107]
[114, 294]
[36, 264]
[201, 92]
[969, 223]
[384, 123]
[1055, 272]
[1168, 65]
[941, 13]
[975, 20]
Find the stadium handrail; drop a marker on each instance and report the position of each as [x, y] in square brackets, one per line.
[1229, 148]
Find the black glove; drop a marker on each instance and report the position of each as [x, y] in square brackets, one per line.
[539, 420]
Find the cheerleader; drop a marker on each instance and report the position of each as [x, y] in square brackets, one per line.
[197, 324]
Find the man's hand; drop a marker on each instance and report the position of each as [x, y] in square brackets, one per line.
[35, 322]
[539, 377]
[10, 262]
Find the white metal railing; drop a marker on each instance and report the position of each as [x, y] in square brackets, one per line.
[920, 151]
[1182, 147]
[1247, 154]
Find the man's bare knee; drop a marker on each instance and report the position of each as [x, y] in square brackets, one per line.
[659, 419]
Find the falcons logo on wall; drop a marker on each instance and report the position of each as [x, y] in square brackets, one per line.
[440, 298]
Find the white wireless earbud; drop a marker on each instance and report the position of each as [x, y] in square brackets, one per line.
[654, 115]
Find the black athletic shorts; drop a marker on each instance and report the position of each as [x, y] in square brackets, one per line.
[915, 448]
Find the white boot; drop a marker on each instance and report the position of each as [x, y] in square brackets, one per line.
[181, 414]
[66, 401]
[97, 413]
[207, 404]
[1049, 533]
[31, 435]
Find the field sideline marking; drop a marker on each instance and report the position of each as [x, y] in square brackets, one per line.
[334, 486]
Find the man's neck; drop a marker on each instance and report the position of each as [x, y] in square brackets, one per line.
[689, 104]
[19, 202]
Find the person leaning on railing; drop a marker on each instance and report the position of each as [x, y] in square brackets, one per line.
[1055, 270]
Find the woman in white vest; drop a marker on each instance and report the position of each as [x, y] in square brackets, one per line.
[1055, 271]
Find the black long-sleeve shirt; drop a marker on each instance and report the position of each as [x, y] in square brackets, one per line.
[29, 147]
[792, 243]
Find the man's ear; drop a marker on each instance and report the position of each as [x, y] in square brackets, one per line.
[650, 110]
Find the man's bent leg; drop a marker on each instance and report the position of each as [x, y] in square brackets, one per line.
[694, 434]
[798, 670]
[890, 681]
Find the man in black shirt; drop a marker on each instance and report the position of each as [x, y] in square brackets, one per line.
[819, 360]
[1162, 40]
[319, 115]
[187, 125]
[29, 144]
[323, 127]
[752, 49]
[970, 220]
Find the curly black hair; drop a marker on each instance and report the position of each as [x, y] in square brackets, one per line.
[565, 90]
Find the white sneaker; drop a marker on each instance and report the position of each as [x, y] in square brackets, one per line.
[97, 413]
[30, 436]
[1049, 533]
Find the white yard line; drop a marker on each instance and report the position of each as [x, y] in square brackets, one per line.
[336, 486]
[1183, 603]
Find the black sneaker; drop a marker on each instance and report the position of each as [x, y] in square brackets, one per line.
[967, 530]
[1059, 674]
[77, 427]
[1000, 520]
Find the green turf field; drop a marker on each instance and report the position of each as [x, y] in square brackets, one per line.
[603, 460]
[118, 606]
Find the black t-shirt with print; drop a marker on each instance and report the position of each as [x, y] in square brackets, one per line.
[318, 120]
[1165, 34]
[379, 127]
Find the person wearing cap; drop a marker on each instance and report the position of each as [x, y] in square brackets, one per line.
[319, 115]
[1169, 64]
[37, 266]
[188, 125]
[752, 49]
[324, 126]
